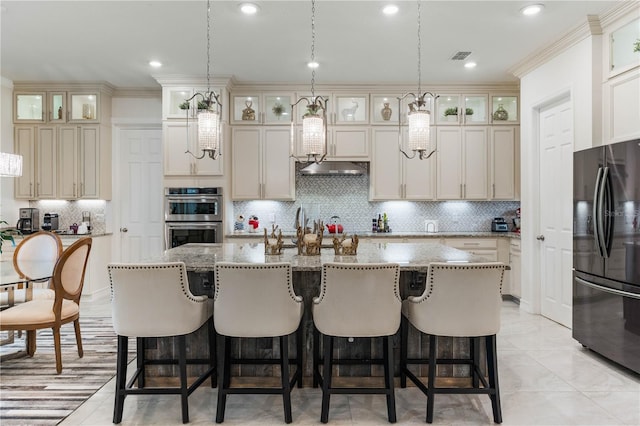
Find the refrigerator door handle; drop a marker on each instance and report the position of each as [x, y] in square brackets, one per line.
[597, 224]
[608, 213]
[603, 214]
[608, 290]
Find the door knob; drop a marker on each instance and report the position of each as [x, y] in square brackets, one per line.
[540, 237]
[124, 230]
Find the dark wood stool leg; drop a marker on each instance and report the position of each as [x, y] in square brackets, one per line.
[299, 347]
[182, 366]
[284, 373]
[388, 379]
[404, 341]
[475, 351]
[121, 378]
[432, 377]
[327, 341]
[492, 367]
[224, 365]
[140, 360]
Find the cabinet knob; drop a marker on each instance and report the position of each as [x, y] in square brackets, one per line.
[540, 237]
[124, 230]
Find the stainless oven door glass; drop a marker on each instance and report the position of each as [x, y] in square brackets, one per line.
[178, 233]
[193, 208]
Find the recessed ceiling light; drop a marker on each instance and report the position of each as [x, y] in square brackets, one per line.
[155, 64]
[532, 9]
[470, 65]
[313, 64]
[249, 8]
[390, 9]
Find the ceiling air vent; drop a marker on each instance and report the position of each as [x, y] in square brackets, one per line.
[460, 56]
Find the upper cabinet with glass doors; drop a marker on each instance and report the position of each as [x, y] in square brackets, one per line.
[40, 107]
[176, 103]
[504, 109]
[261, 108]
[457, 109]
[84, 107]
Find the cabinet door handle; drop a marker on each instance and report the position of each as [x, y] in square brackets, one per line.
[461, 196]
[493, 185]
[74, 190]
[81, 189]
[464, 191]
[30, 189]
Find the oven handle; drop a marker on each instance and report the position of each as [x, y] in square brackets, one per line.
[608, 290]
[194, 198]
[194, 225]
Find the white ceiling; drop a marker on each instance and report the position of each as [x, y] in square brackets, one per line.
[113, 41]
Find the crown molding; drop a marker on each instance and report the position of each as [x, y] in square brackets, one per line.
[103, 86]
[5, 82]
[190, 80]
[592, 26]
[138, 93]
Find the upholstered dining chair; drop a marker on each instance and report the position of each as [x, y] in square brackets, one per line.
[153, 300]
[252, 301]
[35, 253]
[460, 300]
[67, 282]
[356, 300]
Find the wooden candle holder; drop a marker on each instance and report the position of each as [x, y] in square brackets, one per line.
[345, 246]
[310, 242]
[272, 244]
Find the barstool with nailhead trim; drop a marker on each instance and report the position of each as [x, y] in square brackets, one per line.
[153, 300]
[356, 300]
[253, 301]
[460, 300]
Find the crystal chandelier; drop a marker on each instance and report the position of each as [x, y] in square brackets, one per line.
[314, 120]
[419, 116]
[10, 165]
[209, 126]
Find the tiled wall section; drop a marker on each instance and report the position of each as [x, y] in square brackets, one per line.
[70, 212]
[347, 197]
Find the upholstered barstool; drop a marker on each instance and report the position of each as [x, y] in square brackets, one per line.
[153, 300]
[460, 300]
[356, 300]
[252, 301]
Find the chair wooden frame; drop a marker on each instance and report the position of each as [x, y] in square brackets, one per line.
[62, 293]
[28, 240]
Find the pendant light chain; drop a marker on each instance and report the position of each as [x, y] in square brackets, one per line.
[313, 47]
[419, 52]
[208, 43]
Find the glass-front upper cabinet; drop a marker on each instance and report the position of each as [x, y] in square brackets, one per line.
[57, 107]
[625, 47]
[261, 108]
[84, 107]
[384, 109]
[29, 107]
[462, 109]
[351, 109]
[504, 109]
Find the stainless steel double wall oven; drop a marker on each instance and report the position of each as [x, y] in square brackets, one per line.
[193, 215]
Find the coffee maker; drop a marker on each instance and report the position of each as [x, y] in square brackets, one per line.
[29, 221]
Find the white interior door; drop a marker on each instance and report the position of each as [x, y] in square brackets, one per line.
[140, 194]
[556, 211]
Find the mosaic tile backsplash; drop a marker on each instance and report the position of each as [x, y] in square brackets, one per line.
[347, 197]
[70, 212]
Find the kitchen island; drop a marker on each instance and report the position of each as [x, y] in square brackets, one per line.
[413, 258]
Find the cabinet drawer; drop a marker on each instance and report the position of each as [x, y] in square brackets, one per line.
[472, 243]
[489, 255]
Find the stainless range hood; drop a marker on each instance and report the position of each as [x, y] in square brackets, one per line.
[334, 168]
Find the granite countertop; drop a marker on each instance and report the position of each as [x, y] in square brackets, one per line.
[452, 234]
[410, 256]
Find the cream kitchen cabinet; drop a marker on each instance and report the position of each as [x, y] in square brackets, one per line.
[39, 107]
[273, 108]
[37, 145]
[174, 101]
[462, 154]
[63, 162]
[395, 177]
[178, 136]
[456, 109]
[515, 261]
[504, 163]
[261, 166]
[349, 143]
[485, 247]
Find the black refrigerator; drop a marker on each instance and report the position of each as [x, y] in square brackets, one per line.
[606, 251]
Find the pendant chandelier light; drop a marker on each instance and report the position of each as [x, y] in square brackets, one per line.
[314, 119]
[10, 165]
[419, 117]
[209, 110]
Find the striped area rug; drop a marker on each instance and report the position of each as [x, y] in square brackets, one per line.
[32, 393]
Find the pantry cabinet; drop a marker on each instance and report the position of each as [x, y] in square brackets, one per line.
[395, 177]
[261, 166]
[178, 137]
[37, 145]
[24, 140]
[462, 166]
[504, 162]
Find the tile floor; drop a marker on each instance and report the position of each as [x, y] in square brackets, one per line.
[546, 378]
